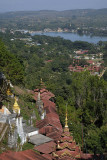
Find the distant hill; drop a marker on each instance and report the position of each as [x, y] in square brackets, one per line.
[49, 13]
[52, 19]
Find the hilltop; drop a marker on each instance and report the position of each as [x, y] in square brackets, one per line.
[87, 19]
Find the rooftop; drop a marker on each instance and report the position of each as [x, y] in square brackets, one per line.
[46, 148]
[28, 129]
[39, 139]
[22, 155]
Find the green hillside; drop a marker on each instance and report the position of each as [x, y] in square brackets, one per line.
[38, 20]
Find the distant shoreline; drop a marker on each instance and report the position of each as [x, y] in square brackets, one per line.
[72, 36]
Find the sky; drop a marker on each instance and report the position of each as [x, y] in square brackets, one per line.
[35, 5]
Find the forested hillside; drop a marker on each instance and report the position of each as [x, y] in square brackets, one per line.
[89, 20]
[85, 95]
[10, 65]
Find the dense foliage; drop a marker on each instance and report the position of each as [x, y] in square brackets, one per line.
[3, 88]
[84, 94]
[10, 65]
[87, 108]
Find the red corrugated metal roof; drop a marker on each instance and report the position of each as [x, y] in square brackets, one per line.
[54, 135]
[48, 103]
[47, 129]
[50, 109]
[45, 94]
[46, 147]
[48, 156]
[50, 126]
[52, 115]
[49, 121]
[22, 155]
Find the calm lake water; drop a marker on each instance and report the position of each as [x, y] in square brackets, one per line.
[72, 36]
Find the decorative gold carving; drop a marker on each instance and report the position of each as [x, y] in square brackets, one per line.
[9, 92]
[16, 107]
[54, 154]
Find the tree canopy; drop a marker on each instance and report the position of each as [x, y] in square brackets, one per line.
[10, 65]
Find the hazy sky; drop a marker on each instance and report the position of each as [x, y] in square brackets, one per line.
[19, 5]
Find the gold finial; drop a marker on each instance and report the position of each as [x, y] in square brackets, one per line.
[41, 80]
[66, 119]
[42, 84]
[58, 146]
[16, 99]
[66, 129]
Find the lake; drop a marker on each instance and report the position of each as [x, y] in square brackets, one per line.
[72, 36]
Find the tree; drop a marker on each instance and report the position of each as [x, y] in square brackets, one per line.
[10, 65]
[3, 88]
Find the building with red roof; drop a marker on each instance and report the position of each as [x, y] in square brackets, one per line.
[50, 125]
[52, 142]
[22, 155]
[66, 146]
[46, 148]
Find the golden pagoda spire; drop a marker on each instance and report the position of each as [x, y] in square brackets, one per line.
[16, 108]
[42, 84]
[66, 119]
[41, 80]
[66, 129]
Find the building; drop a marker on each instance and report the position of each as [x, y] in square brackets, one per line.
[50, 140]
